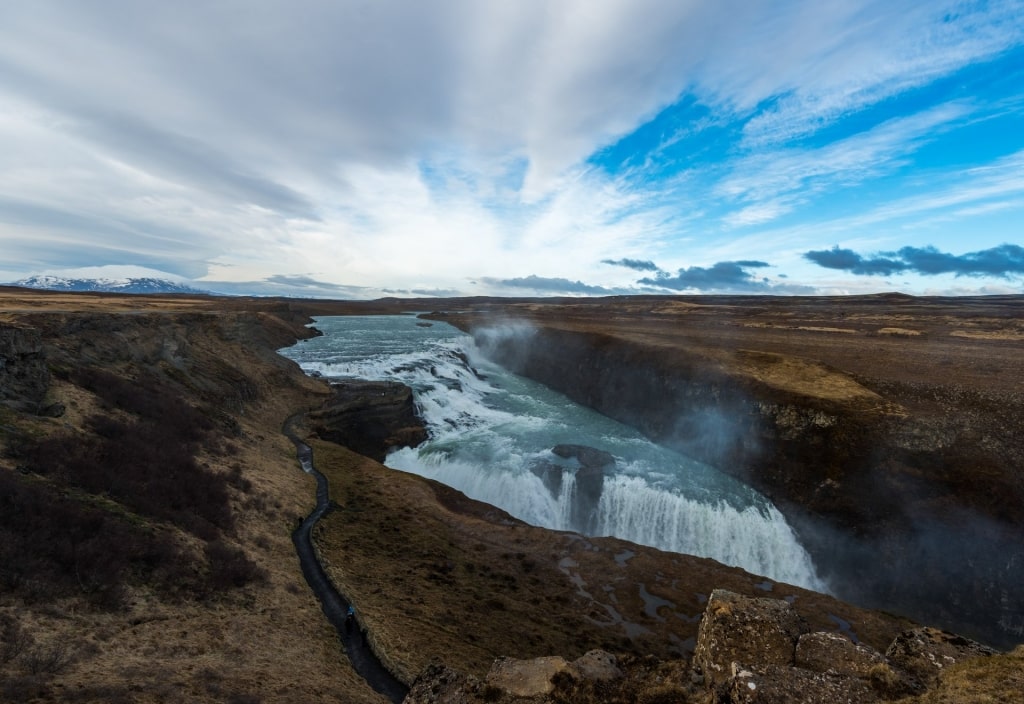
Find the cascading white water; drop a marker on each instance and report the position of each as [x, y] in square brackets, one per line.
[490, 431]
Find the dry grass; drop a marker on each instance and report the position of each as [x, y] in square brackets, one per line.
[803, 376]
[269, 641]
[991, 680]
[988, 334]
[905, 332]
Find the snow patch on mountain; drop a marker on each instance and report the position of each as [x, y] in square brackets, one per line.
[106, 285]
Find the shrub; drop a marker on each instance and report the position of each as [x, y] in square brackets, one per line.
[24, 689]
[229, 567]
[141, 464]
[14, 639]
[149, 399]
[52, 546]
[55, 542]
[51, 659]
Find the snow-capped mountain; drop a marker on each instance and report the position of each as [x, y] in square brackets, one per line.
[106, 285]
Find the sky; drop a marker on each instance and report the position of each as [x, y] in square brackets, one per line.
[367, 148]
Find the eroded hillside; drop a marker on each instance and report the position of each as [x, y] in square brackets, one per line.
[146, 515]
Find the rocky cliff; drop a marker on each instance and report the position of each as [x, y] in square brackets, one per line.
[369, 417]
[882, 486]
[24, 376]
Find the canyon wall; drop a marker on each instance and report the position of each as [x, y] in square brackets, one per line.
[900, 511]
[24, 377]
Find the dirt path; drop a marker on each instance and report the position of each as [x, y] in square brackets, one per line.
[335, 606]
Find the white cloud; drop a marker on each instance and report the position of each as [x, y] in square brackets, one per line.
[428, 144]
[392, 226]
[861, 55]
[774, 181]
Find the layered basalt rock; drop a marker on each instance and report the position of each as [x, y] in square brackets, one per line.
[369, 417]
[24, 375]
[792, 445]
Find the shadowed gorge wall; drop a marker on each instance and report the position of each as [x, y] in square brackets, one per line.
[900, 511]
[24, 376]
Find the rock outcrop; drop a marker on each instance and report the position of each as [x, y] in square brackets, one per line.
[588, 467]
[526, 678]
[369, 417]
[738, 629]
[923, 653]
[749, 651]
[756, 651]
[24, 376]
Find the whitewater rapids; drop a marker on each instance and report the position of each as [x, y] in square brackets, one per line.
[489, 430]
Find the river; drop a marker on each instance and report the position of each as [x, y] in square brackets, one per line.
[492, 435]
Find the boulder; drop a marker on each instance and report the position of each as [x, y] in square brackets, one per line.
[597, 666]
[526, 678]
[591, 466]
[923, 653]
[369, 417]
[749, 631]
[777, 684]
[835, 653]
[588, 457]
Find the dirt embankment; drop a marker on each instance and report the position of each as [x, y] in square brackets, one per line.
[897, 456]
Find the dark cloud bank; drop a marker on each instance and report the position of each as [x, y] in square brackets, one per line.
[550, 285]
[1003, 261]
[634, 264]
[729, 276]
[721, 276]
[717, 277]
[741, 275]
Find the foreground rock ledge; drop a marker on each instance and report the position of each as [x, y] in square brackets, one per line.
[749, 650]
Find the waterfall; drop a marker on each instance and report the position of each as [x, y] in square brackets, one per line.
[492, 434]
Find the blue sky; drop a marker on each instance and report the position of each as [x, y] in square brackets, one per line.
[452, 147]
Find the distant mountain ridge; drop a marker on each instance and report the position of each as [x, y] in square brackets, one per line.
[106, 285]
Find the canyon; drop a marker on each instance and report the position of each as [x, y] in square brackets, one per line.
[885, 428]
[445, 586]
